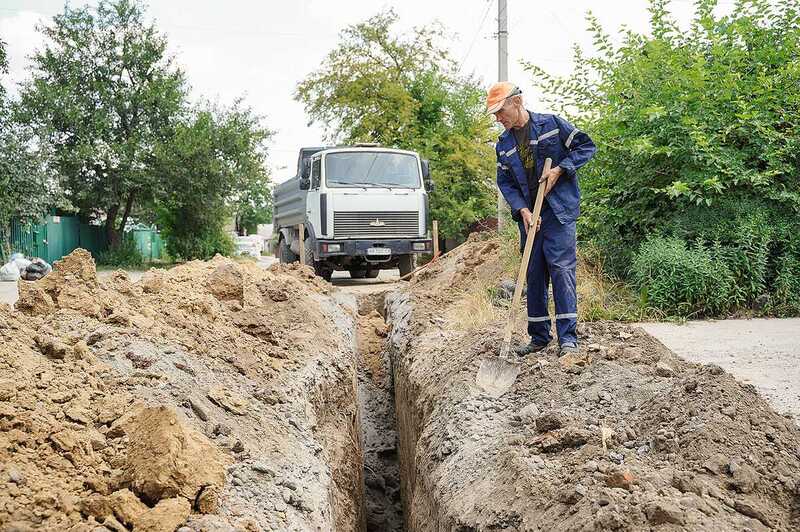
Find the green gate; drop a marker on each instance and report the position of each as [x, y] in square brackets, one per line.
[56, 237]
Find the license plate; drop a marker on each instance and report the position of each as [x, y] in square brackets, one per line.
[383, 252]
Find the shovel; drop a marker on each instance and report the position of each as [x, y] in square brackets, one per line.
[496, 375]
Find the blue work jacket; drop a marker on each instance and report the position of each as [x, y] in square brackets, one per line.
[550, 136]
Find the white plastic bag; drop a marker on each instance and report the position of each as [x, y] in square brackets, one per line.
[9, 272]
[21, 263]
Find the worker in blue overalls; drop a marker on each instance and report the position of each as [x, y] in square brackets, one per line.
[529, 138]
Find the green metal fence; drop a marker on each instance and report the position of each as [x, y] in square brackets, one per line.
[58, 236]
[149, 243]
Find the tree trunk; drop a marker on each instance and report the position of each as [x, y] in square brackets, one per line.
[112, 236]
[126, 213]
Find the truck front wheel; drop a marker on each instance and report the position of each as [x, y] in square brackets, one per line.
[319, 269]
[406, 264]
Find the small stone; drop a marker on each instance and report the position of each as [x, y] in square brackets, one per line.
[549, 421]
[261, 467]
[112, 524]
[729, 411]
[745, 478]
[620, 479]
[751, 510]
[198, 408]
[16, 476]
[165, 516]
[79, 415]
[591, 466]
[665, 368]
[662, 512]
[529, 413]
[571, 495]
[208, 500]
[616, 457]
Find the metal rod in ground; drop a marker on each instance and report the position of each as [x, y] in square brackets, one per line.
[435, 239]
[302, 245]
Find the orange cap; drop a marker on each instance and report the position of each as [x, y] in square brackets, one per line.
[497, 94]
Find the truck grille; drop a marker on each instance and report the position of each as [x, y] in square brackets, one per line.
[375, 224]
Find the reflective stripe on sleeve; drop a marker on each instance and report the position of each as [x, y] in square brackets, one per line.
[571, 136]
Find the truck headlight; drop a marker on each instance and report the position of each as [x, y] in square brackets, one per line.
[419, 246]
[332, 248]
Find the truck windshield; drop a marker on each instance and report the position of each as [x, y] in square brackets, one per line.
[376, 169]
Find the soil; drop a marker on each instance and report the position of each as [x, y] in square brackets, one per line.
[213, 396]
[623, 436]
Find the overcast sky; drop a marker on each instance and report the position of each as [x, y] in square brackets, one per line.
[261, 49]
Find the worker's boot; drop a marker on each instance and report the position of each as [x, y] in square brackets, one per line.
[568, 349]
[530, 348]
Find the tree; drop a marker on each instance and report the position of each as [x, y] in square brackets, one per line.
[698, 137]
[405, 91]
[27, 185]
[214, 164]
[104, 93]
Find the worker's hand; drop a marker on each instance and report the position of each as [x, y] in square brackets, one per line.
[526, 217]
[551, 178]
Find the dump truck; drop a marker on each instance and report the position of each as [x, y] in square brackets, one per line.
[360, 209]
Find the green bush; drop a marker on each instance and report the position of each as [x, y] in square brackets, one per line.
[186, 245]
[124, 255]
[697, 139]
[682, 280]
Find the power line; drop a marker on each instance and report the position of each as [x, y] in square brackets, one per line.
[489, 4]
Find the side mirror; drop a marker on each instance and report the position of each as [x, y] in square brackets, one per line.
[426, 169]
[306, 169]
[305, 183]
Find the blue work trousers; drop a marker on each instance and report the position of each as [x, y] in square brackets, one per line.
[553, 259]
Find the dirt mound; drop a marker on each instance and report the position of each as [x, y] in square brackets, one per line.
[623, 436]
[214, 395]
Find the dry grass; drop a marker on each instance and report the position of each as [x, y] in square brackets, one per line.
[599, 297]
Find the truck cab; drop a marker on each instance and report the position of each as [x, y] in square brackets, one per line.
[361, 208]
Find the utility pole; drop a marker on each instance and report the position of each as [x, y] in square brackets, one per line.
[502, 75]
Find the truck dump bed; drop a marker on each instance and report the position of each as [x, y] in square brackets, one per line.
[289, 203]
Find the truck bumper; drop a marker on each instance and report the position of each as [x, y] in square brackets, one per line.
[360, 248]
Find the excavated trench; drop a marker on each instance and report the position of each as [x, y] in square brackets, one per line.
[383, 502]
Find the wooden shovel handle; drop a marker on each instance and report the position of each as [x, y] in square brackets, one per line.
[526, 255]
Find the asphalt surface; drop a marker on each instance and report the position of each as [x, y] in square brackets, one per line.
[762, 352]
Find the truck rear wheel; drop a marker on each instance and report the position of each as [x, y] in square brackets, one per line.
[285, 254]
[406, 265]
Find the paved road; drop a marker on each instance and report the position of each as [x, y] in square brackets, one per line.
[763, 352]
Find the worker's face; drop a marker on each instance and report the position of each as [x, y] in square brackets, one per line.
[508, 115]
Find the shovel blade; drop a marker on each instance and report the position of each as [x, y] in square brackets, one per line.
[497, 375]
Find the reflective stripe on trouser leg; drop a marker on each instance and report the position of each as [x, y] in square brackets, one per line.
[538, 279]
[558, 248]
